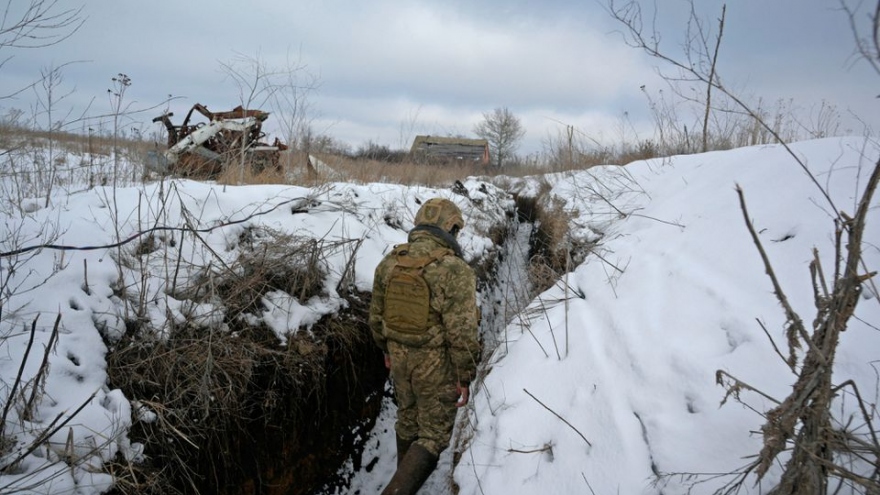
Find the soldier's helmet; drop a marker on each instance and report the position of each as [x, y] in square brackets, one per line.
[441, 213]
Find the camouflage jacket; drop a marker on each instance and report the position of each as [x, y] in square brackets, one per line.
[452, 283]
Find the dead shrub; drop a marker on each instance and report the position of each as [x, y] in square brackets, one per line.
[270, 260]
[203, 387]
[542, 274]
[643, 150]
[253, 173]
[146, 245]
[550, 246]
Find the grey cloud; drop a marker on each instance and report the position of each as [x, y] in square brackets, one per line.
[378, 62]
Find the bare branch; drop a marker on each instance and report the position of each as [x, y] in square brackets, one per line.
[793, 320]
[39, 24]
[712, 77]
[867, 45]
[629, 15]
[775, 347]
[12, 393]
[737, 385]
[560, 417]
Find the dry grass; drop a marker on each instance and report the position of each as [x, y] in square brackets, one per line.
[269, 260]
[551, 247]
[294, 167]
[205, 387]
[233, 174]
[367, 171]
[72, 142]
[445, 174]
[273, 261]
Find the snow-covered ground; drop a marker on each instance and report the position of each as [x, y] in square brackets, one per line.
[628, 354]
[601, 384]
[54, 281]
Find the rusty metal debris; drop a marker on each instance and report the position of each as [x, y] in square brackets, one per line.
[202, 150]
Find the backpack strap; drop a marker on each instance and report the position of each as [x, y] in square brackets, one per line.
[401, 253]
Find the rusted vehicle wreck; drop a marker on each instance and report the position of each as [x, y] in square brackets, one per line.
[203, 149]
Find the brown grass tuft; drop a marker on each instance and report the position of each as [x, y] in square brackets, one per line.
[550, 255]
[232, 174]
[270, 260]
[368, 171]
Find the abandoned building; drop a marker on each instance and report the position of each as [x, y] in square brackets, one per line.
[450, 149]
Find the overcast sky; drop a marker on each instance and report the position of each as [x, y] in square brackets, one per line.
[390, 69]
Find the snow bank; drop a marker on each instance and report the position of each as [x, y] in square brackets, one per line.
[609, 385]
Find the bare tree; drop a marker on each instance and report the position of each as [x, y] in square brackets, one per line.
[48, 96]
[503, 130]
[292, 105]
[712, 70]
[291, 102]
[257, 84]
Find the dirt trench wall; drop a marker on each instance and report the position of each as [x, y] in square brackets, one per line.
[238, 413]
[300, 453]
[551, 252]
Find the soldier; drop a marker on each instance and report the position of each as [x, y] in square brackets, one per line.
[424, 318]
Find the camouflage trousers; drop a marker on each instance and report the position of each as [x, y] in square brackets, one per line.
[424, 385]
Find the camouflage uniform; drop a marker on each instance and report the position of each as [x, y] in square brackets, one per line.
[426, 367]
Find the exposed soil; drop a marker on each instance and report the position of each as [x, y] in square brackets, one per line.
[240, 413]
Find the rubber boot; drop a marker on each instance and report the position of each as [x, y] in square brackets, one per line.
[402, 447]
[417, 465]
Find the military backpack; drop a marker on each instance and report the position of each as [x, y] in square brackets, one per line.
[407, 295]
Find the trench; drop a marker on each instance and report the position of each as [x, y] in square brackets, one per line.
[504, 290]
[507, 292]
[320, 425]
